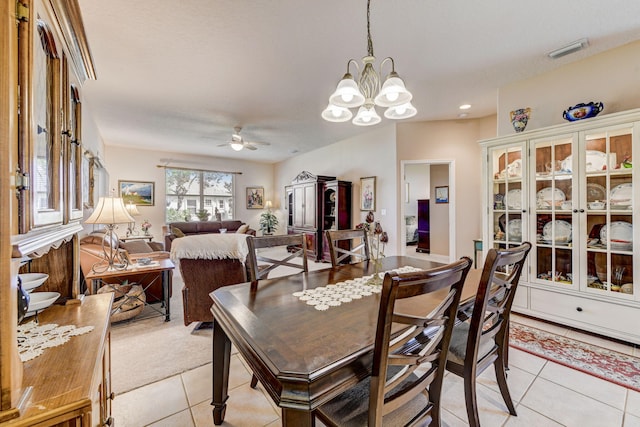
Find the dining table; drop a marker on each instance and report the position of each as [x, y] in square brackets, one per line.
[306, 353]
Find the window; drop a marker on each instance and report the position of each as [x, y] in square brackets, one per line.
[191, 191]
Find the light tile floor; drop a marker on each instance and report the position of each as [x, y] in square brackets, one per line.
[546, 394]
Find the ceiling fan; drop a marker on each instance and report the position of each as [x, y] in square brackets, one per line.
[238, 143]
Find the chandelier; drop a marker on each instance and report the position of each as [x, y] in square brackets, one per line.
[367, 93]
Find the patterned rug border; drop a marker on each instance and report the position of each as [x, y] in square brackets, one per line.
[617, 354]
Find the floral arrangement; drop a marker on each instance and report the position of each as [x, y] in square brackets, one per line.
[146, 225]
[377, 239]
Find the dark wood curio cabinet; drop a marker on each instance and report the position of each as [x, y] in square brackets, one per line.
[316, 203]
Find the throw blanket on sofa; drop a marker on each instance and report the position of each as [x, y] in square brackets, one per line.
[210, 246]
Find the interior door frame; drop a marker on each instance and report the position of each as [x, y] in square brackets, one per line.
[452, 206]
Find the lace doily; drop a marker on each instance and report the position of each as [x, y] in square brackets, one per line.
[34, 338]
[335, 294]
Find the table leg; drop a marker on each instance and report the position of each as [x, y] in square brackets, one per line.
[165, 294]
[221, 360]
[297, 418]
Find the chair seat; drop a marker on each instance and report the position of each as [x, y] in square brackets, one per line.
[458, 344]
[352, 407]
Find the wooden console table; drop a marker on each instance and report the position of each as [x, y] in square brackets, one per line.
[71, 383]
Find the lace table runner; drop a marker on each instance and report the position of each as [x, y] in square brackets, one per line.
[34, 338]
[335, 294]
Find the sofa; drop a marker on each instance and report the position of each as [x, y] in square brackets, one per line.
[91, 252]
[206, 263]
[176, 230]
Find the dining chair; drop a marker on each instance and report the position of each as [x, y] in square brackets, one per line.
[347, 246]
[409, 354]
[483, 339]
[259, 266]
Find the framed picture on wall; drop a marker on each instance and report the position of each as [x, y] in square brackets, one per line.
[255, 197]
[442, 194]
[368, 193]
[140, 193]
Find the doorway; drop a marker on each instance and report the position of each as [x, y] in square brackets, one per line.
[419, 181]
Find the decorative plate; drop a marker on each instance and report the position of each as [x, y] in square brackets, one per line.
[583, 111]
[596, 161]
[562, 229]
[514, 199]
[595, 192]
[621, 196]
[621, 235]
[548, 197]
[514, 228]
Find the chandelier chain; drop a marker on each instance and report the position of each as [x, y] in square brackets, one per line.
[369, 41]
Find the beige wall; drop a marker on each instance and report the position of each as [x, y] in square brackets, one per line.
[140, 165]
[612, 77]
[371, 154]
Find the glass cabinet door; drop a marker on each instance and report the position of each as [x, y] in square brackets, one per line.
[609, 202]
[507, 169]
[554, 201]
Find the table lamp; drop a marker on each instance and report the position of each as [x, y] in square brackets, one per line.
[110, 211]
[133, 211]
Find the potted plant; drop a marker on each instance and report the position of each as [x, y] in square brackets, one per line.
[268, 222]
[203, 214]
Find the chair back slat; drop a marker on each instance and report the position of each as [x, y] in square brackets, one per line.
[498, 284]
[259, 266]
[347, 246]
[407, 341]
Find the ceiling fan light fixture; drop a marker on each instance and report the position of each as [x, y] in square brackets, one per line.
[237, 146]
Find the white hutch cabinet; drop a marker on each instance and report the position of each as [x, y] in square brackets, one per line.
[571, 190]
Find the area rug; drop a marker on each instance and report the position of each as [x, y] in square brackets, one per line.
[609, 365]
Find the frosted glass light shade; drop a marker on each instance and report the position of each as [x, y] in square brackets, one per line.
[347, 94]
[110, 210]
[393, 93]
[403, 111]
[237, 146]
[367, 116]
[333, 113]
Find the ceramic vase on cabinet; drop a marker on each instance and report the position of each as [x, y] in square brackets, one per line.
[520, 118]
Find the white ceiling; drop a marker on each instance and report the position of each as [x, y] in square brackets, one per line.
[178, 75]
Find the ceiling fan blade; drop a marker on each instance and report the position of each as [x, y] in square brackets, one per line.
[223, 145]
[250, 147]
[257, 143]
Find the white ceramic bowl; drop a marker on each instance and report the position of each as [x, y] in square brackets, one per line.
[38, 301]
[31, 281]
[596, 205]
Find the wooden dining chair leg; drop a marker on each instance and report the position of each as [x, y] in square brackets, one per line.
[471, 400]
[501, 378]
[254, 381]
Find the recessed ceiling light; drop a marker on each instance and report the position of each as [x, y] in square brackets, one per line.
[462, 115]
[465, 106]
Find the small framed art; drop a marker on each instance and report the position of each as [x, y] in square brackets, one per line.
[140, 193]
[442, 194]
[255, 197]
[368, 193]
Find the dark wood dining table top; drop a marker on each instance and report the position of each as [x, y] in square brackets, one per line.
[304, 356]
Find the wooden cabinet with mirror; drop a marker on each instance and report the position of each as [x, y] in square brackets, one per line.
[44, 63]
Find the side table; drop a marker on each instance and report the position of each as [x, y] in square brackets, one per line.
[163, 266]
